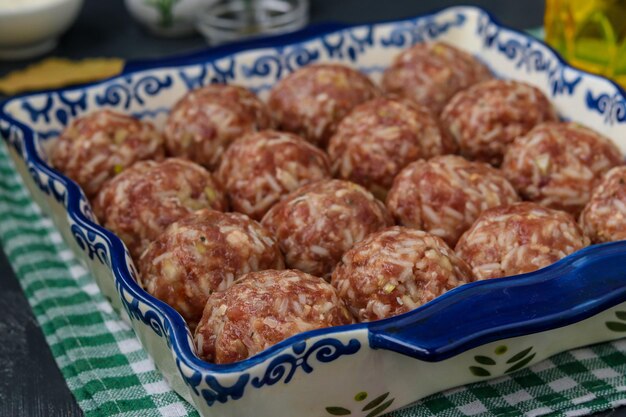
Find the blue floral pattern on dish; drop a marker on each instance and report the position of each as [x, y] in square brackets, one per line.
[213, 72]
[529, 55]
[36, 112]
[284, 366]
[89, 242]
[144, 314]
[14, 136]
[64, 107]
[284, 59]
[420, 30]
[71, 107]
[48, 185]
[613, 107]
[348, 44]
[214, 391]
[133, 89]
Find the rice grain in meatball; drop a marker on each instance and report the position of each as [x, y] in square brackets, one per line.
[260, 169]
[94, 148]
[519, 238]
[558, 164]
[431, 73]
[446, 194]
[205, 252]
[262, 309]
[316, 224]
[380, 137]
[487, 117]
[604, 217]
[312, 101]
[142, 201]
[207, 120]
[395, 271]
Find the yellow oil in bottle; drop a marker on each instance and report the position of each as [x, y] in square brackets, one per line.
[590, 34]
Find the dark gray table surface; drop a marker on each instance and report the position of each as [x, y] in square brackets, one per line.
[31, 385]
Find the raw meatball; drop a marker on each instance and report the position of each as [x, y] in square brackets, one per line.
[314, 99]
[261, 168]
[604, 218]
[205, 252]
[445, 195]
[262, 309]
[316, 224]
[558, 164]
[395, 271]
[517, 239]
[380, 137]
[487, 117]
[431, 73]
[205, 121]
[142, 201]
[100, 145]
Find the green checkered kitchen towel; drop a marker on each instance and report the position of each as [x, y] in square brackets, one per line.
[110, 374]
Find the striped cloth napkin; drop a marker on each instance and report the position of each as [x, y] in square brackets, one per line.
[111, 375]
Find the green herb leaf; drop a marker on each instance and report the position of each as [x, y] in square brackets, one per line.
[485, 360]
[501, 350]
[621, 315]
[360, 396]
[616, 326]
[378, 410]
[338, 411]
[520, 364]
[479, 371]
[520, 355]
[375, 402]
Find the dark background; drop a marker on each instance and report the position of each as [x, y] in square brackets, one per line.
[104, 28]
[30, 383]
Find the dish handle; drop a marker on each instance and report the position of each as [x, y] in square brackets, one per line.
[573, 289]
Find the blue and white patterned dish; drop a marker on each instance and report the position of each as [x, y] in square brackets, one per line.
[480, 330]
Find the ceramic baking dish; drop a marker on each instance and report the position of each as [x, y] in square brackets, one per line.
[477, 331]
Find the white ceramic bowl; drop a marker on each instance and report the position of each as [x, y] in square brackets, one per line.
[31, 28]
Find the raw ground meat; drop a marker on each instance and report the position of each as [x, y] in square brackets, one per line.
[260, 169]
[207, 120]
[262, 309]
[397, 270]
[558, 164]
[94, 148]
[446, 194]
[380, 137]
[519, 238]
[431, 73]
[604, 217]
[204, 252]
[142, 201]
[312, 100]
[487, 117]
[316, 224]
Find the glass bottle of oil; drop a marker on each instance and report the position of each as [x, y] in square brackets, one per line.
[590, 34]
